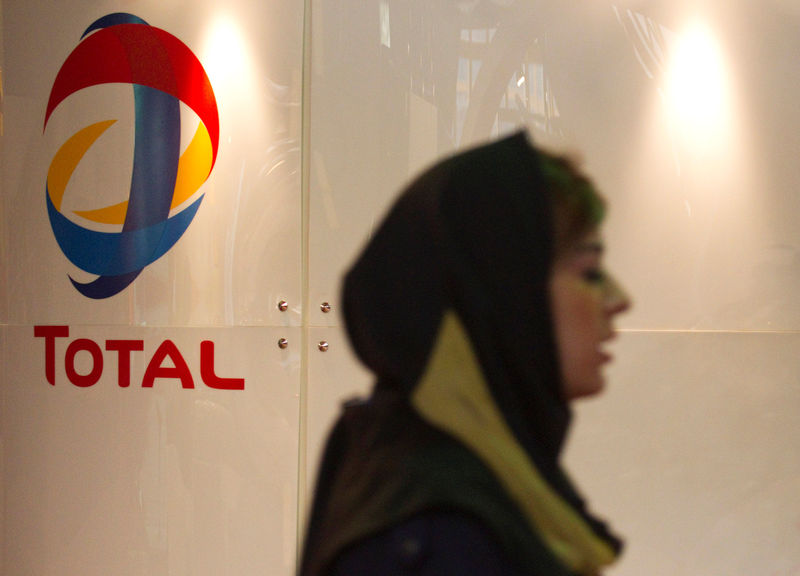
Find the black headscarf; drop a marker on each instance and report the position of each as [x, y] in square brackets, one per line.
[459, 268]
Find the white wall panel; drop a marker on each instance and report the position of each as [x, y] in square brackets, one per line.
[157, 480]
[105, 479]
[693, 453]
[694, 153]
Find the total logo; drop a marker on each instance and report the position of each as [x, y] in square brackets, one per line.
[167, 362]
[113, 241]
[163, 198]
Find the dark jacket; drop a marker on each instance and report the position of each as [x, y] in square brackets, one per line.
[429, 544]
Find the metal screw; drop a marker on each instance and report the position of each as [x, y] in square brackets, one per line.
[323, 346]
[283, 343]
[283, 305]
[325, 307]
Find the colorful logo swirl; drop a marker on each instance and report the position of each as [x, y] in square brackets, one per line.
[123, 48]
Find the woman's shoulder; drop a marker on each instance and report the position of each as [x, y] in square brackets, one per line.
[440, 543]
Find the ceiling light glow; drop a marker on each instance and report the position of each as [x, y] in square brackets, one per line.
[697, 87]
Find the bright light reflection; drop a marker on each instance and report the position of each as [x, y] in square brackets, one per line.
[231, 64]
[697, 88]
[225, 56]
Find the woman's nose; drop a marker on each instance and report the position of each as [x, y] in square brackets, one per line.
[616, 299]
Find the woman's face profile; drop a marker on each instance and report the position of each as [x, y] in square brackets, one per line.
[585, 299]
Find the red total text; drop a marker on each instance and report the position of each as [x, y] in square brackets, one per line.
[157, 367]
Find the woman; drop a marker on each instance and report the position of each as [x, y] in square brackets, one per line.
[481, 305]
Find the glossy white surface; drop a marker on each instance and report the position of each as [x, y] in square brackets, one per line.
[161, 480]
[702, 187]
[693, 453]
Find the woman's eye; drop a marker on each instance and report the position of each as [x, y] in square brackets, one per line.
[594, 275]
